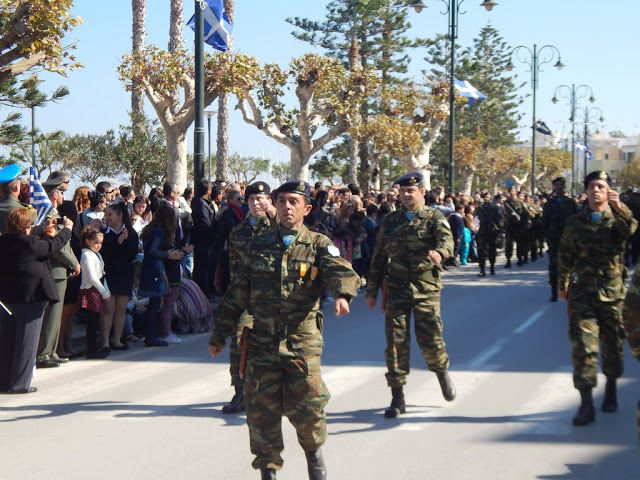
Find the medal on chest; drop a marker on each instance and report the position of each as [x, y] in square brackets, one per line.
[303, 272]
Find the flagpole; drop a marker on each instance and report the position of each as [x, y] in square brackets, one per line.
[198, 141]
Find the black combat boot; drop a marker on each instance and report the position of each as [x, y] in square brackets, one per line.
[534, 256]
[315, 465]
[397, 403]
[554, 292]
[587, 412]
[508, 265]
[492, 269]
[446, 385]
[237, 402]
[610, 402]
[482, 272]
[267, 474]
[519, 262]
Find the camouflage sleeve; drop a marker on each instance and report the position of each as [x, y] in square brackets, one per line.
[233, 304]
[234, 253]
[624, 224]
[444, 237]
[631, 315]
[337, 272]
[378, 265]
[565, 257]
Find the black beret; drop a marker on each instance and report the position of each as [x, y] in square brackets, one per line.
[52, 184]
[597, 175]
[410, 179]
[257, 188]
[293, 186]
[559, 179]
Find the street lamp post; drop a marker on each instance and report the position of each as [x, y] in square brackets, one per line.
[453, 10]
[593, 112]
[573, 95]
[534, 62]
[209, 114]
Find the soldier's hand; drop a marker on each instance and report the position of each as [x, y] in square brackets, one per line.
[614, 199]
[435, 256]
[215, 351]
[562, 294]
[371, 302]
[341, 307]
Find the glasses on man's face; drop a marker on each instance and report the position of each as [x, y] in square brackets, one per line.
[109, 192]
[66, 183]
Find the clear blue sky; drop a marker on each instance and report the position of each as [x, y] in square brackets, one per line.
[597, 40]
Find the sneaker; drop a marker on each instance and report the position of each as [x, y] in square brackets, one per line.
[172, 339]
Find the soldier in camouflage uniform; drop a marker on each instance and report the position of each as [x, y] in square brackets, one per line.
[515, 227]
[536, 232]
[491, 222]
[591, 257]
[279, 281]
[410, 247]
[261, 219]
[631, 320]
[554, 215]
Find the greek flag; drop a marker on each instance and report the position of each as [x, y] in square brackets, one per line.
[542, 128]
[217, 27]
[465, 89]
[38, 198]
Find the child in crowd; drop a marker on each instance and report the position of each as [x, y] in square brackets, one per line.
[93, 288]
[466, 241]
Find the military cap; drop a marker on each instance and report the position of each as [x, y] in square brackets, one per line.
[558, 180]
[51, 185]
[293, 186]
[597, 175]
[410, 179]
[257, 188]
[9, 173]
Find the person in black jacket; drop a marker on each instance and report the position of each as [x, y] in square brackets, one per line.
[203, 235]
[26, 287]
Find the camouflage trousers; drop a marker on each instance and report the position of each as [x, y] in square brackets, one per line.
[589, 321]
[235, 352]
[520, 237]
[552, 250]
[428, 329]
[277, 385]
[487, 245]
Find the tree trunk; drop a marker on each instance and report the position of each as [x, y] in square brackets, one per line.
[467, 182]
[138, 41]
[175, 24]
[177, 156]
[299, 165]
[354, 147]
[222, 151]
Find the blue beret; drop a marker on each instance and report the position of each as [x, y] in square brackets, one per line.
[597, 175]
[410, 179]
[293, 186]
[9, 173]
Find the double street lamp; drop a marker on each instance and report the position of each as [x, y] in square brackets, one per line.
[573, 95]
[585, 112]
[534, 59]
[453, 10]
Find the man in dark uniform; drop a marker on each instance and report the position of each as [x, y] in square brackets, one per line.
[491, 222]
[515, 227]
[279, 281]
[591, 276]
[9, 191]
[63, 264]
[554, 215]
[260, 219]
[412, 243]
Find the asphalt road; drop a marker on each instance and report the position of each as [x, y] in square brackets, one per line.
[154, 413]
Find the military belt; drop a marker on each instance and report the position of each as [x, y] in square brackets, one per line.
[588, 281]
[281, 331]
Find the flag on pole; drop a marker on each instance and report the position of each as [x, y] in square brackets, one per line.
[580, 147]
[217, 27]
[38, 198]
[465, 89]
[542, 128]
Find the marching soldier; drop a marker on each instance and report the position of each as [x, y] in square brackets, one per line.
[591, 276]
[491, 222]
[412, 243]
[279, 282]
[631, 319]
[261, 219]
[515, 228]
[536, 233]
[554, 215]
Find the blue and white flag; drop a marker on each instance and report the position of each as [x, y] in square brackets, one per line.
[465, 89]
[38, 198]
[580, 147]
[217, 27]
[542, 128]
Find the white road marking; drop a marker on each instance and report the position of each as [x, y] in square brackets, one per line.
[531, 320]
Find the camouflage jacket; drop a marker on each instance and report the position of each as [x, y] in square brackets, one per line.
[631, 314]
[402, 249]
[490, 217]
[594, 253]
[555, 214]
[517, 214]
[241, 235]
[280, 286]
